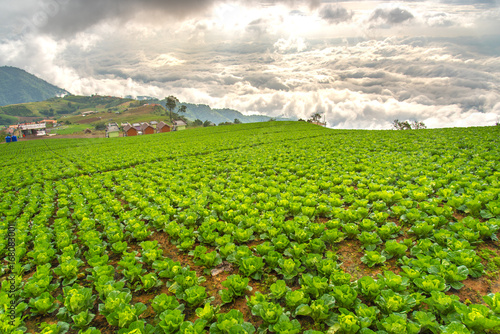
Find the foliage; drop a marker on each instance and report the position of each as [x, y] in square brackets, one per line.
[253, 206]
[407, 125]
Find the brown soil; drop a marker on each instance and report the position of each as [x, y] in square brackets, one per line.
[86, 120]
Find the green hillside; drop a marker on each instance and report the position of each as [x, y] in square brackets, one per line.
[58, 107]
[19, 86]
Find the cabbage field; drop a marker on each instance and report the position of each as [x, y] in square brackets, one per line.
[277, 227]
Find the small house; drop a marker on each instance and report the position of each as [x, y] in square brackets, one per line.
[129, 130]
[112, 130]
[179, 125]
[162, 127]
[37, 129]
[147, 129]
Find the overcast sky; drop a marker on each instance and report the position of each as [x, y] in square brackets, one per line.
[360, 63]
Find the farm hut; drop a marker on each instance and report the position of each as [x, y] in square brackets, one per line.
[129, 131]
[179, 125]
[147, 129]
[37, 129]
[154, 124]
[162, 127]
[112, 130]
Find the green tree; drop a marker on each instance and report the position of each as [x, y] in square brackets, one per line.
[183, 109]
[171, 103]
[237, 121]
[198, 122]
[406, 125]
[100, 126]
[207, 123]
[316, 117]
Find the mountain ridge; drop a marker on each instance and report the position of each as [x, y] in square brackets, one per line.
[18, 86]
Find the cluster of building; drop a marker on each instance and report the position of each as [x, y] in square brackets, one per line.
[137, 129]
[30, 129]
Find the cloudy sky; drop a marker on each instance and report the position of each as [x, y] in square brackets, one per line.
[360, 63]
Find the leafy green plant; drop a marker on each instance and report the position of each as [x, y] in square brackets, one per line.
[333, 236]
[318, 310]
[184, 280]
[43, 304]
[314, 286]
[398, 323]
[194, 295]
[369, 287]
[278, 290]
[58, 328]
[126, 314]
[68, 270]
[76, 299]
[163, 302]
[40, 282]
[82, 319]
[345, 295]
[394, 282]
[150, 251]
[370, 240]
[136, 327]
[366, 314]
[252, 267]
[493, 301]
[236, 286]
[198, 327]
[394, 249]
[477, 317]
[393, 302]
[285, 326]
[372, 258]
[148, 282]
[113, 300]
[429, 283]
[208, 312]
[268, 311]
[167, 268]
[289, 268]
[347, 322]
[171, 321]
[231, 322]
[294, 298]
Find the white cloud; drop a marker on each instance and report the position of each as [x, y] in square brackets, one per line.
[291, 44]
[285, 58]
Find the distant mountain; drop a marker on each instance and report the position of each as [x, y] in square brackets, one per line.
[19, 86]
[203, 112]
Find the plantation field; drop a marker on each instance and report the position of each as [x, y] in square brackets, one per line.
[278, 227]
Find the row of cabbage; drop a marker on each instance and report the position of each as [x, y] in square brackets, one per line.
[24, 163]
[294, 202]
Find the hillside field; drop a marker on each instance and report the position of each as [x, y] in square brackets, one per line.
[277, 227]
